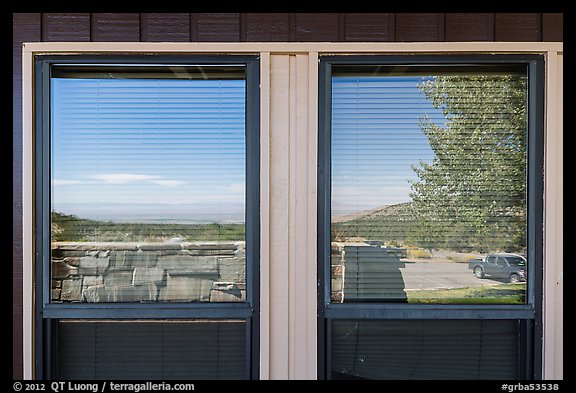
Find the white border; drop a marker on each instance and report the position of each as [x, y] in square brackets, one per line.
[288, 187]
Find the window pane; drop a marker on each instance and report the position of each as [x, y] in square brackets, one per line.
[428, 183]
[148, 176]
[425, 349]
[151, 350]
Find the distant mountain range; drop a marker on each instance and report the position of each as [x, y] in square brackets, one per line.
[68, 227]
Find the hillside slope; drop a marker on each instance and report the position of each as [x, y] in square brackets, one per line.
[386, 223]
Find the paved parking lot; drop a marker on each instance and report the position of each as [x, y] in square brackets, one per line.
[438, 275]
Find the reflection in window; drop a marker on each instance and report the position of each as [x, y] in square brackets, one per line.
[428, 181]
[148, 184]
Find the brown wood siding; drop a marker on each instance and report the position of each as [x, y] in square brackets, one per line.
[372, 27]
[165, 27]
[552, 27]
[57, 27]
[518, 27]
[218, 27]
[116, 27]
[420, 27]
[309, 27]
[267, 27]
[234, 27]
[470, 27]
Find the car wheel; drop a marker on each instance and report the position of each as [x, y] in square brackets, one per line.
[514, 278]
[478, 272]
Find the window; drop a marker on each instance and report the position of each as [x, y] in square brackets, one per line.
[430, 170]
[147, 184]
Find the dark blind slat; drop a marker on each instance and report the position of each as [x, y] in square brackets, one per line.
[425, 349]
[151, 350]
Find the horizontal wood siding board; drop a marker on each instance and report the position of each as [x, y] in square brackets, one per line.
[242, 26]
[165, 27]
[311, 27]
[116, 27]
[270, 27]
[218, 27]
[518, 27]
[58, 27]
[552, 27]
[470, 27]
[419, 27]
[193, 27]
[26, 27]
[369, 27]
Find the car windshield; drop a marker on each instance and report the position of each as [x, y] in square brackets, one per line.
[516, 261]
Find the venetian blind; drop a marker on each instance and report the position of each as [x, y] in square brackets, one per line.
[425, 349]
[151, 350]
[428, 164]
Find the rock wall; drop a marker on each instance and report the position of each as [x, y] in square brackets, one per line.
[148, 272]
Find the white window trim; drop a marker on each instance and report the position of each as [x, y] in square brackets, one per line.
[288, 151]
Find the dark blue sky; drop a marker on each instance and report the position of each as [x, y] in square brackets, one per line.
[130, 149]
[376, 138]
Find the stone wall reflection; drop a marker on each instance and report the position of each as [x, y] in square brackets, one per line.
[148, 272]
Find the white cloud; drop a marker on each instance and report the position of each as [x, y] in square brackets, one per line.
[125, 178]
[64, 182]
[122, 178]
